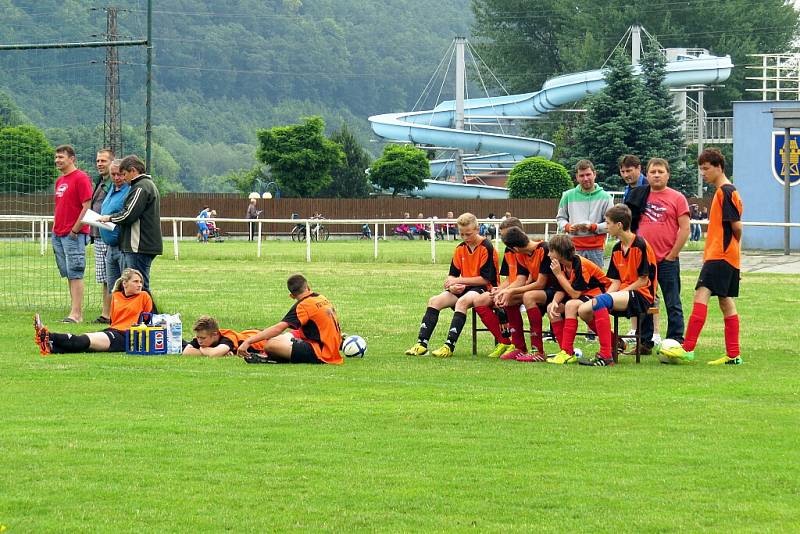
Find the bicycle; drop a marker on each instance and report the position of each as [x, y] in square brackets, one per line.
[319, 232]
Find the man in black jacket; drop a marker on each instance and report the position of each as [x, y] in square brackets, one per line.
[140, 219]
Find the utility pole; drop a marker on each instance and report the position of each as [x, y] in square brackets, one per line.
[112, 123]
[459, 118]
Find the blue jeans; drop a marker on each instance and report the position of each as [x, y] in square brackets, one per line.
[695, 235]
[114, 265]
[70, 255]
[140, 262]
[669, 285]
[594, 255]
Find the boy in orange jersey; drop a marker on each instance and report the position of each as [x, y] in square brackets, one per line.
[128, 301]
[492, 315]
[315, 337]
[632, 271]
[719, 275]
[580, 281]
[473, 271]
[533, 285]
[212, 341]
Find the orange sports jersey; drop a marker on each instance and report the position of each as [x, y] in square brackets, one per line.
[588, 278]
[237, 338]
[509, 266]
[536, 263]
[482, 261]
[314, 318]
[726, 208]
[125, 310]
[638, 261]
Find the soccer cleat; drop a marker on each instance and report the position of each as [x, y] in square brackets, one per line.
[532, 357]
[622, 346]
[511, 354]
[562, 358]
[598, 361]
[417, 350]
[444, 352]
[727, 360]
[631, 333]
[42, 336]
[656, 339]
[499, 349]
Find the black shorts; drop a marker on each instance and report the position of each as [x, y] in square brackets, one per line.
[549, 293]
[720, 277]
[303, 352]
[637, 305]
[116, 339]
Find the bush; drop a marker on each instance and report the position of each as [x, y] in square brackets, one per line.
[538, 178]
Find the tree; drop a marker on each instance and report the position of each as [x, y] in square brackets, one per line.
[10, 114]
[613, 122]
[26, 160]
[538, 178]
[349, 178]
[527, 42]
[663, 138]
[300, 156]
[400, 168]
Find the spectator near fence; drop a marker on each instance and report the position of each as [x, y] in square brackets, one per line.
[73, 197]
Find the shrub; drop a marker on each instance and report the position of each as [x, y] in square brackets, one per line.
[538, 178]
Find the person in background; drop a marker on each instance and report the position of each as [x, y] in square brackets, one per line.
[73, 197]
[252, 213]
[101, 189]
[112, 203]
[582, 214]
[140, 219]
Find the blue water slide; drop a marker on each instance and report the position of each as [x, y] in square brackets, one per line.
[437, 126]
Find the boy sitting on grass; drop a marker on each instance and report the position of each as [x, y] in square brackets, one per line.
[473, 271]
[212, 341]
[315, 336]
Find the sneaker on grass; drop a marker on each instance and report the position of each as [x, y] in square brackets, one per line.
[41, 336]
[511, 354]
[727, 360]
[598, 361]
[499, 350]
[562, 357]
[443, 352]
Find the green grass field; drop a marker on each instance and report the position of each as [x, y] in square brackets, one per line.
[114, 443]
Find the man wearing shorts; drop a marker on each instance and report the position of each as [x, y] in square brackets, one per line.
[719, 275]
[73, 196]
[315, 335]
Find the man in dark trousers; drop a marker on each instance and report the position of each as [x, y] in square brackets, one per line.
[139, 220]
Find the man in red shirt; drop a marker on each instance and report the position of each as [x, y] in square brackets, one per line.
[664, 224]
[73, 196]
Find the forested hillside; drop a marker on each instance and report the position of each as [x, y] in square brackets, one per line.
[223, 70]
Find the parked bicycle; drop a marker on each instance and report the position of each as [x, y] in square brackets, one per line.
[319, 232]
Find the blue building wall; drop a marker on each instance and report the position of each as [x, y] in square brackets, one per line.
[761, 193]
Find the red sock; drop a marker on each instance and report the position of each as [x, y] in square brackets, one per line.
[591, 325]
[732, 336]
[695, 326]
[517, 330]
[492, 323]
[601, 325]
[558, 330]
[568, 341]
[535, 318]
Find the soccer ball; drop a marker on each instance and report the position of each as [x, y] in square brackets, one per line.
[354, 347]
[670, 351]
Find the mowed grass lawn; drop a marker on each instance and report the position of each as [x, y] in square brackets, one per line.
[115, 443]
